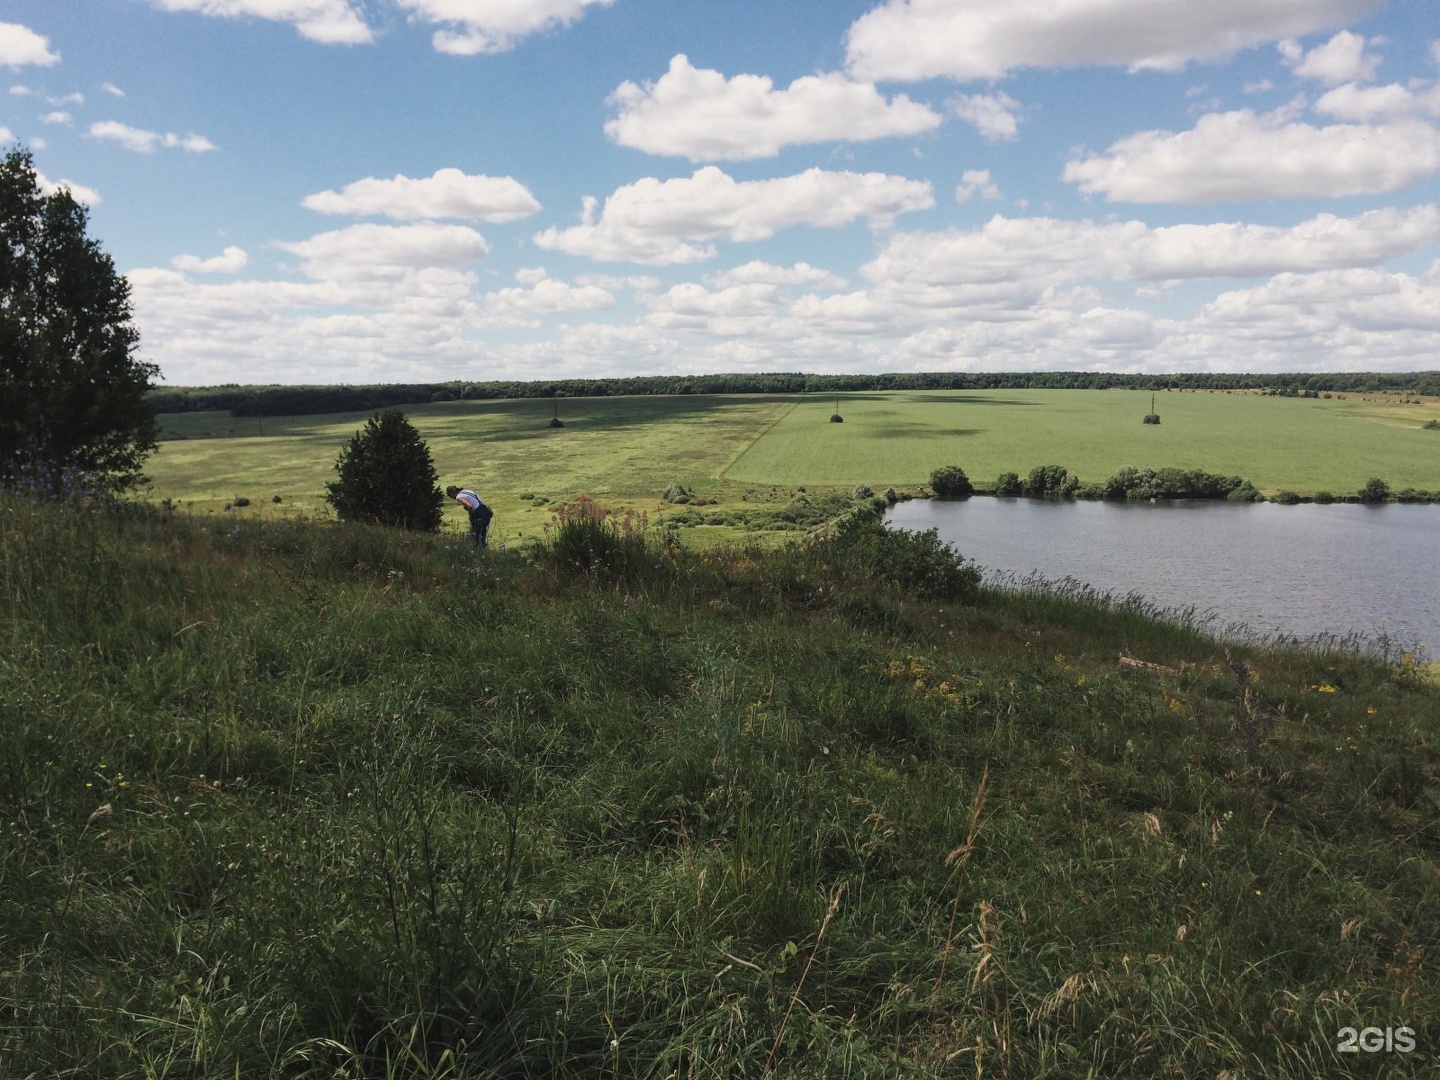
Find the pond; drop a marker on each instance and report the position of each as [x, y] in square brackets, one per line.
[1300, 571]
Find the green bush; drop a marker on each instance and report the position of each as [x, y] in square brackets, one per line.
[1051, 480]
[863, 491]
[1009, 483]
[1374, 490]
[586, 536]
[1324, 497]
[861, 549]
[951, 482]
[387, 477]
[1285, 497]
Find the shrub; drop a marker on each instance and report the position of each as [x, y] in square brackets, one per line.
[1151, 418]
[863, 491]
[276, 499]
[240, 500]
[1009, 483]
[1374, 490]
[1285, 497]
[1053, 480]
[585, 535]
[1243, 492]
[860, 548]
[676, 493]
[836, 418]
[951, 483]
[387, 477]
[1432, 425]
[556, 422]
[1324, 497]
[890, 497]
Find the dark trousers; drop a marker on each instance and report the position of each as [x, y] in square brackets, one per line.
[480, 524]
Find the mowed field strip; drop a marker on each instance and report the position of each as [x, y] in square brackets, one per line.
[1305, 444]
[626, 450]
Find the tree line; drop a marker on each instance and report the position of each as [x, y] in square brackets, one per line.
[300, 400]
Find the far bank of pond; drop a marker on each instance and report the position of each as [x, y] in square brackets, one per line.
[1302, 571]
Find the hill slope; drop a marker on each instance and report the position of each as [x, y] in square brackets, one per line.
[283, 799]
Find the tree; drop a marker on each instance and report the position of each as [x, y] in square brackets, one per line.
[387, 476]
[951, 483]
[72, 391]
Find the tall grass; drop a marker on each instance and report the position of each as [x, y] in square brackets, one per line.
[286, 800]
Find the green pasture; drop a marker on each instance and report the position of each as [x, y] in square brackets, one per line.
[626, 450]
[621, 450]
[1305, 445]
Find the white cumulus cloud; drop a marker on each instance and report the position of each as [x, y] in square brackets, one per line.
[975, 182]
[655, 221]
[909, 40]
[473, 27]
[758, 272]
[994, 115]
[700, 114]
[1342, 59]
[111, 89]
[1352, 102]
[449, 193]
[331, 22]
[231, 261]
[57, 116]
[386, 251]
[1242, 155]
[20, 46]
[147, 142]
[79, 192]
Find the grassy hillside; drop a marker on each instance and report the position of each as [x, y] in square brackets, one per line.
[287, 800]
[739, 448]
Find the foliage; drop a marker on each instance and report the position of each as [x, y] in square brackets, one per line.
[584, 535]
[1009, 483]
[1169, 483]
[950, 482]
[1374, 490]
[1051, 480]
[303, 400]
[1151, 418]
[387, 477]
[676, 492]
[1285, 497]
[73, 401]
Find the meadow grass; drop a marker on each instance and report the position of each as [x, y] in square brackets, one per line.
[284, 799]
[752, 450]
[897, 438]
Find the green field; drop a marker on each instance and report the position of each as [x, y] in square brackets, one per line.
[625, 450]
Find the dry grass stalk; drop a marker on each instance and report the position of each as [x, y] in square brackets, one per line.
[962, 854]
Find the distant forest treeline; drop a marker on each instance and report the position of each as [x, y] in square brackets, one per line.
[300, 400]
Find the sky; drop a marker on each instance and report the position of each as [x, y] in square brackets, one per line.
[326, 191]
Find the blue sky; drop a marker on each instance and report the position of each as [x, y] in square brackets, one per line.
[385, 190]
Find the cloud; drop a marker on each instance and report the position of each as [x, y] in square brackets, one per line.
[79, 192]
[763, 273]
[19, 46]
[112, 89]
[1342, 59]
[1008, 263]
[57, 117]
[547, 296]
[1242, 155]
[992, 114]
[1351, 102]
[654, 221]
[910, 40]
[386, 251]
[330, 22]
[449, 193]
[231, 261]
[493, 26]
[975, 182]
[700, 114]
[146, 142]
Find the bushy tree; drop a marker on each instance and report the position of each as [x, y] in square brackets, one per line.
[72, 391]
[386, 476]
[951, 482]
[1374, 490]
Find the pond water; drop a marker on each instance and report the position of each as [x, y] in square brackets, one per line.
[1300, 571]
